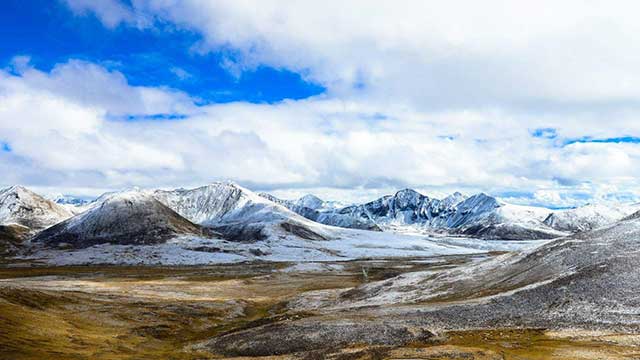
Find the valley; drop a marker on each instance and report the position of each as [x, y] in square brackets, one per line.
[221, 272]
[171, 312]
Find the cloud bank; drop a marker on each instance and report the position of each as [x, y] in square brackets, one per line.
[521, 101]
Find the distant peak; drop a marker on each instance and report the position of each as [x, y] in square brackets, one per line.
[225, 183]
[310, 197]
[407, 191]
[17, 188]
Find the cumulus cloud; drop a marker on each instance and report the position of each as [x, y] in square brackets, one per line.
[314, 143]
[418, 95]
[430, 53]
[111, 12]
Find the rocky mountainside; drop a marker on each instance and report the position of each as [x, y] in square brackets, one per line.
[308, 206]
[12, 237]
[315, 209]
[19, 205]
[486, 217]
[238, 213]
[407, 210]
[123, 218]
[588, 279]
[588, 217]
[586, 282]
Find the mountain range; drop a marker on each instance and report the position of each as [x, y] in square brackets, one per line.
[480, 215]
[224, 217]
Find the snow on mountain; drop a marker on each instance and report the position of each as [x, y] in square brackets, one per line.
[73, 204]
[588, 217]
[252, 228]
[409, 211]
[404, 208]
[586, 281]
[68, 200]
[484, 216]
[310, 201]
[122, 218]
[19, 205]
[239, 213]
[297, 206]
[324, 212]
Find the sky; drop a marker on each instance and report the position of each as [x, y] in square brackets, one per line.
[534, 102]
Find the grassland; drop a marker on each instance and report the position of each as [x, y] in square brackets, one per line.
[166, 312]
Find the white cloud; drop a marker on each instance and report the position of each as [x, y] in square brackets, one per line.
[451, 95]
[111, 12]
[62, 135]
[432, 54]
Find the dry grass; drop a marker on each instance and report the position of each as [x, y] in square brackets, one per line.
[162, 312]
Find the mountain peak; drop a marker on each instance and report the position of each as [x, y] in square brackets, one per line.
[310, 201]
[19, 205]
[131, 217]
[407, 192]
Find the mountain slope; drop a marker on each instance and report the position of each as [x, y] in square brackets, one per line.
[19, 205]
[238, 213]
[485, 216]
[12, 237]
[313, 208]
[124, 219]
[409, 211]
[585, 280]
[588, 217]
[307, 206]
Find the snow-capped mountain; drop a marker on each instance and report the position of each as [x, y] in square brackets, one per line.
[307, 206]
[68, 200]
[238, 213]
[484, 216]
[588, 217]
[19, 205]
[324, 212]
[123, 218]
[232, 223]
[409, 211]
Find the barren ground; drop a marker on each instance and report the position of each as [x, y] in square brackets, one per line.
[170, 312]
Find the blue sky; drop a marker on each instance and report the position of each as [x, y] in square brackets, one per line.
[50, 33]
[348, 100]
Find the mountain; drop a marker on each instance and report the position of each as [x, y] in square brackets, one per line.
[19, 205]
[238, 213]
[588, 217]
[587, 280]
[586, 283]
[12, 237]
[484, 216]
[307, 206]
[315, 209]
[129, 218]
[409, 211]
[69, 200]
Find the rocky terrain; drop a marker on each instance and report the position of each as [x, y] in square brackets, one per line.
[589, 217]
[584, 282]
[223, 222]
[424, 298]
[129, 218]
[480, 216]
[239, 213]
